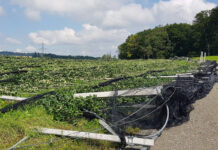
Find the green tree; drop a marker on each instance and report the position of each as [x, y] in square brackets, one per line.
[153, 43]
[200, 34]
[179, 35]
[175, 39]
[213, 31]
[106, 57]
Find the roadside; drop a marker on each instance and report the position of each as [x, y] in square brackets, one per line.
[199, 133]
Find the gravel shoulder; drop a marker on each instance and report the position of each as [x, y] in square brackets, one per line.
[199, 133]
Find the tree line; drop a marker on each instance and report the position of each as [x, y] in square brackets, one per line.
[175, 39]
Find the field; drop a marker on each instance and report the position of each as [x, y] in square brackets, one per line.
[27, 77]
[209, 58]
[212, 58]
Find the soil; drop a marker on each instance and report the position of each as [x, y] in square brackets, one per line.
[199, 133]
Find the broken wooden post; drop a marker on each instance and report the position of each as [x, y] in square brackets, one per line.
[12, 98]
[22, 140]
[205, 55]
[201, 57]
[174, 76]
[106, 126]
[96, 136]
[122, 93]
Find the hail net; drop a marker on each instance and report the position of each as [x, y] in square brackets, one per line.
[143, 116]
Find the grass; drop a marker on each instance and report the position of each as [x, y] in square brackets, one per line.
[209, 58]
[212, 58]
[15, 125]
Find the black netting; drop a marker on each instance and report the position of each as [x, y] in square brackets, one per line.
[140, 114]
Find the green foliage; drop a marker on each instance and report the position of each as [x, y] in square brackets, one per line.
[65, 107]
[107, 57]
[131, 130]
[72, 76]
[62, 110]
[213, 31]
[2, 103]
[147, 44]
[81, 75]
[179, 36]
[175, 39]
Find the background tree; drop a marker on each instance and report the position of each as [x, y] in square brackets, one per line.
[179, 35]
[213, 31]
[175, 39]
[106, 57]
[200, 32]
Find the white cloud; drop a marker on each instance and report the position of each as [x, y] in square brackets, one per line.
[83, 53]
[95, 34]
[18, 50]
[179, 10]
[84, 42]
[65, 36]
[163, 12]
[106, 23]
[33, 15]
[117, 13]
[132, 15]
[1, 10]
[78, 9]
[13, 41]
[69, 36]
[30, 49]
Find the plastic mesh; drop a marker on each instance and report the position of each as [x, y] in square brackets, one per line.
[141, 114]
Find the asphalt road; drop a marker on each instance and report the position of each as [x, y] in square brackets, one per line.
[200, 133]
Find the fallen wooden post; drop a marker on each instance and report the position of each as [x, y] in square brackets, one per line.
[106, 126]
[96, 136]
[122, 93]
[22, 140]
[12, 98]
[14, 72]
[26, 101]
[174, 76]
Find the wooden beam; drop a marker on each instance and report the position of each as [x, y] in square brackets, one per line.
[122, 93]
[106, 126]
[22, 140]
[174, 76]
[12, 98]
[96, 136]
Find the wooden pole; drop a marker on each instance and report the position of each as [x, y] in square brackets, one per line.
[12, 98]
[95, 136]
[122, 93]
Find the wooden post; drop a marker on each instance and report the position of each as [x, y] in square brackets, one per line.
[205, 55]
[12, 98]
[122, 93]
[95, 136]
[22, 140]
[106, 126]
[201, 56]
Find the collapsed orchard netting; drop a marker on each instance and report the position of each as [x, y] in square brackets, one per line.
[124, 78]
[142, 116]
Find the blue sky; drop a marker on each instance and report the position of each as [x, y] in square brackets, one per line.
[86, 27]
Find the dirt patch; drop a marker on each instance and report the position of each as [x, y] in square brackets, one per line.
[200, 133]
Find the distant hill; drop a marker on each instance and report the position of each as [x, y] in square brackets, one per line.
[6, 53]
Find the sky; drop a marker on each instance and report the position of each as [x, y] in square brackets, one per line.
[86, 27]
